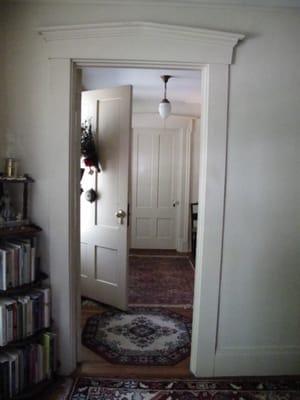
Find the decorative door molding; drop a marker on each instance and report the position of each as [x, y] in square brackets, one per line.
[137, 44]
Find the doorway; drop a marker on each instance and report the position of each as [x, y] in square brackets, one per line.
[159, 193]
[134, 44]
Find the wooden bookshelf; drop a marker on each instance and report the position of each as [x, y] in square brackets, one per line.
[15, 291]
[34, 390]
[6, 181]
[7, 232]
[26, 339]
[22, 229]
[18, 179]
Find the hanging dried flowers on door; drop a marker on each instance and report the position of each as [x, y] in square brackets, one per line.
[88, 148]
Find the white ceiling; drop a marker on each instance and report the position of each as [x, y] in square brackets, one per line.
[184, 86]
[183, 3]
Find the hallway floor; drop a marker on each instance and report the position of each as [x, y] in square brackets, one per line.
[143, 280]
[94, 364]
[141, 289]
[161, 280]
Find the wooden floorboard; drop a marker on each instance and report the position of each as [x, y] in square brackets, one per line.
[158, 252]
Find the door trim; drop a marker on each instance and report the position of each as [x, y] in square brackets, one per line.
[180, 47]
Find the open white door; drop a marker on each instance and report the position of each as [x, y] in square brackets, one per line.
[104, 236]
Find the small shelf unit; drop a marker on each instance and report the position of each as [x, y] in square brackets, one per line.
[21, 230]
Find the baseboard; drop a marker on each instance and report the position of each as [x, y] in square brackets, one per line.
[182, 246]
[258, 361]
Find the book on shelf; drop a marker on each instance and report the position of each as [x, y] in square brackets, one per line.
[18, 262]
[22, 316]
[4, 376]
[27, 364]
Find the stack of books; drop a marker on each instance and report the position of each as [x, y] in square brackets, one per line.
[17, 262]
[22, 316]
[26, 365]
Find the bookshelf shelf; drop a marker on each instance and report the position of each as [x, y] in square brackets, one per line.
[34, 390]
[25, 340]
[22, 230]
[20, 179]
[24, 288]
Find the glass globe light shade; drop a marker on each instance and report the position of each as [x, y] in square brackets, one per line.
[164, 108]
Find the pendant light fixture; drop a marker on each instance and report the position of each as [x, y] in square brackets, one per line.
[164, 107]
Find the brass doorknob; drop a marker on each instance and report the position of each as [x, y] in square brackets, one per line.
[120, 214]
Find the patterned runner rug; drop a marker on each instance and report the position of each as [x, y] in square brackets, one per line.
[160, 280]
[88, 388]
[141, 336]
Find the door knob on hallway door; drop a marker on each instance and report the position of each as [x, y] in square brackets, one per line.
[120, 214]
[175, 203]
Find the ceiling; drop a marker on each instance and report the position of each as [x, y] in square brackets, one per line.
[182, 3]
[184, 86]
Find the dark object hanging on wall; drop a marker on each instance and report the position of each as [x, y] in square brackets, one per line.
[88, 148]
[81, 175]
[91, 195]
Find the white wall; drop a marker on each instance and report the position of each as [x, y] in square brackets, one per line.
[259, 306]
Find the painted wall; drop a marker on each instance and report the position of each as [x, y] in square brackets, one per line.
[259, 306]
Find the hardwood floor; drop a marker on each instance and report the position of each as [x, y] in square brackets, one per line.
[59, 390]
[148, 252]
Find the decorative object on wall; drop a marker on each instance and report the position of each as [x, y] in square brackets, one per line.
[91, 195]
[88, 148]
[81, 175]
[164, 107]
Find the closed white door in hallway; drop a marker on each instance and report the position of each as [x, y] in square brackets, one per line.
[154, 188]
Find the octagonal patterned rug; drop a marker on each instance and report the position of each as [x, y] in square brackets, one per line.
[141, 336]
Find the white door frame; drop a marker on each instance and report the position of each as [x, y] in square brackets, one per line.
[134, 44]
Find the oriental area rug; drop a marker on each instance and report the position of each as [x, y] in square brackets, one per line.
[140, 336]
[93, 388]
[161, 280]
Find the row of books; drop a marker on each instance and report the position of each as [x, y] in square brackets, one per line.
[24, 366]
[22, 316]
[18, 264]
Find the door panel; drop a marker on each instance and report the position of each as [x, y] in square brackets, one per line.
[144, 173]
[153, 188]
[104, 241]
[165, 189]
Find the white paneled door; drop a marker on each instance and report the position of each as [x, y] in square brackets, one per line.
[104, 230]
[154, 189]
